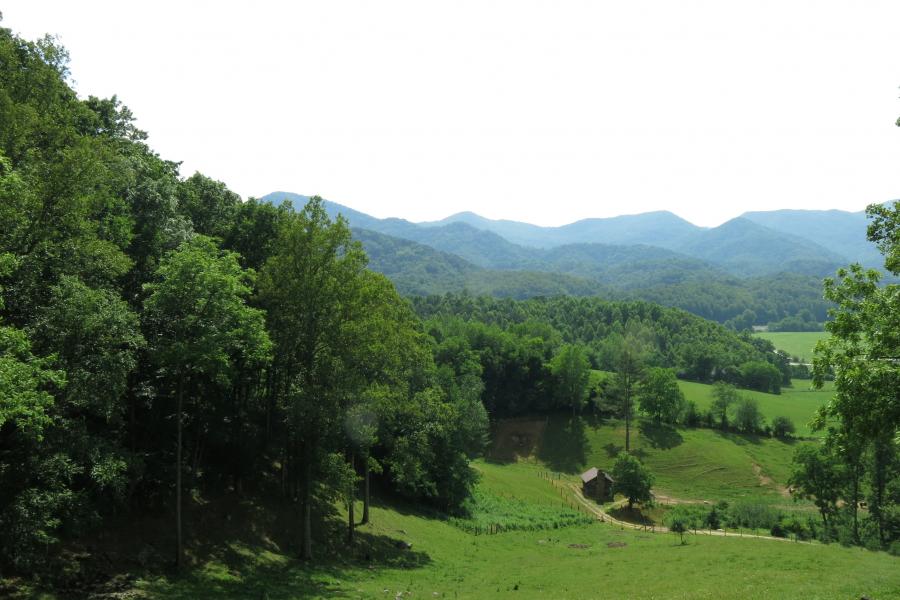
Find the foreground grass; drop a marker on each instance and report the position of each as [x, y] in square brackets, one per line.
[798, 344]
[596, 561]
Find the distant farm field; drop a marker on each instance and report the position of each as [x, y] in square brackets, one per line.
[689, 464]
[798, 403]
[799, 344]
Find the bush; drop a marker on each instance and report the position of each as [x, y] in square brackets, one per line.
[690, 415]
[782, 427]
[753, 516]
[761, 376]
[678, 526]
[748, 418]
[693, 516]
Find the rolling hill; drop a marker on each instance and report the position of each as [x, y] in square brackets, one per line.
[845, 232]
[418, 269]
[746, 248]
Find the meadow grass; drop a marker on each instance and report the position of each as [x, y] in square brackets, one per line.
[797, 344]
[488, 512]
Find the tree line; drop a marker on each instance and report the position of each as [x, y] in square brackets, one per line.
[854, 476]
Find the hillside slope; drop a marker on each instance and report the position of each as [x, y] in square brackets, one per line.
[749, 249]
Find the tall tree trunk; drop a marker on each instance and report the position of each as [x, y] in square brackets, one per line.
[365, 515]
[881, 455]
[178, 420]
[306, 553]
[351, 500]
[855, 497]
[628, 417]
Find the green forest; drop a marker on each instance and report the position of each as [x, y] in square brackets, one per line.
[165, 345]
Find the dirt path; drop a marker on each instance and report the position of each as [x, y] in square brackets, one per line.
[605, 517]
[767, 481]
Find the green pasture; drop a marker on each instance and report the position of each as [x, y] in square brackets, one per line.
[799, 344]
[689, 464]
[798, 403]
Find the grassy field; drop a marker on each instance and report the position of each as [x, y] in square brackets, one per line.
[548, 547]
[798, 403]
[795, 343]
[585, 561]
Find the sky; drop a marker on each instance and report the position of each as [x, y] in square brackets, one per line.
[545, 112]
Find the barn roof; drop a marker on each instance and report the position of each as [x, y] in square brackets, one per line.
[592, 473]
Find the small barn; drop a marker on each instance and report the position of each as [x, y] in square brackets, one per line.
[597, 485]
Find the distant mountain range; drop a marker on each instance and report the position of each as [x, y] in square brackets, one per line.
[768, 262]
[754, 244]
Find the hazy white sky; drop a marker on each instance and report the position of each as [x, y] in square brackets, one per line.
[544, 112]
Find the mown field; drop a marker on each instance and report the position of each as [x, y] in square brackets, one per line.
[583, 561]
[796, 343]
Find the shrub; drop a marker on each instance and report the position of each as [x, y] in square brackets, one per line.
[761, 376]
[747, 418]
[782, 427]
[753, 516]
[690, 415]
[678, 526]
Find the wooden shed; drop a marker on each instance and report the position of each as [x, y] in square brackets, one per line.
[597, 485]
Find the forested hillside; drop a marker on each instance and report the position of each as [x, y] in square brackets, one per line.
[417, 269]
[163, 342]
[696, 348]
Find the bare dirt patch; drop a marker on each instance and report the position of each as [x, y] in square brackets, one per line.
[767, 481]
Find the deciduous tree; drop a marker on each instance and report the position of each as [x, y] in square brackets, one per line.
[632, 479]
[659, 395]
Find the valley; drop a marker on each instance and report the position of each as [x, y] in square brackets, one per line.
[205, 395]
